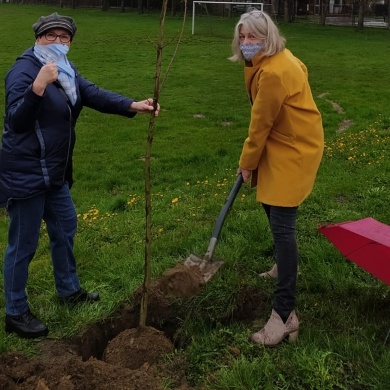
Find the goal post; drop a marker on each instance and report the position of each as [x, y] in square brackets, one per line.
[256, 5]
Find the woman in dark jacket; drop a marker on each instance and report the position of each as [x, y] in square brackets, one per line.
[44, 97]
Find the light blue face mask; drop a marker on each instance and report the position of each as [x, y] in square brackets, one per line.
[249, 50]
[55, 51]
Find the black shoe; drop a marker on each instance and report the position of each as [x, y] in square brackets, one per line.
[80, 297]
[26, 326]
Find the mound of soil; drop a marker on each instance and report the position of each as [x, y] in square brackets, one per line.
[71, 373]
[117, 354]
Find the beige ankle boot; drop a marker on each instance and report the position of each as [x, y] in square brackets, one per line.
[275, 330]
[271, 274]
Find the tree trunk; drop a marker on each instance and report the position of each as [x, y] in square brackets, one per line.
[293, 10]
[122, 6]
[388, 14]
[279, 7]
[323, 11]
[148, 191]
[173, 8]
[286, 12]
[361, 15]
[158, 84]
[140, 7]
[105, 5]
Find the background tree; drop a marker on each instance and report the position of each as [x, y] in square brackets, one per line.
[361, 14]
[388, 14]
[173, 8]
[140, 6]
[324, 6]
[105, 5]
[286, 14]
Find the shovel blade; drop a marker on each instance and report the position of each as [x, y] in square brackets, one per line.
[208, 268]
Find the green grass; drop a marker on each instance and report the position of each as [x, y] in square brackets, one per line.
[198, 137]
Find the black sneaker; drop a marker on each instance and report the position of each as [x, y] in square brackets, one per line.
[80, 296]
[26, 326]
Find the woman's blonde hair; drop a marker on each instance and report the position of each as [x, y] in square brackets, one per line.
[262, 26]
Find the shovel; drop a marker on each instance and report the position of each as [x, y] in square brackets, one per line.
[208, 267]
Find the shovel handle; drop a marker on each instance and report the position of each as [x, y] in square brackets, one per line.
[222, 215]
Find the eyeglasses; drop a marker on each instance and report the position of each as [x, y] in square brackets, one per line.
[51, 37]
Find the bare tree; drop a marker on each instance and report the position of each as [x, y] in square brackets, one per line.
[158, 84]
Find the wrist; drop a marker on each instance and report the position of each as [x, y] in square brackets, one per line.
[38, 88]
[132, 107]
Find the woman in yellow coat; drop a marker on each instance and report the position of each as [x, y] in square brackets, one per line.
[281, 154]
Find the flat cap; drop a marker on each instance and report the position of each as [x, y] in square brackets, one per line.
[54, 20]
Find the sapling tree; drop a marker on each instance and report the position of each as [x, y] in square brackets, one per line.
[158, 84]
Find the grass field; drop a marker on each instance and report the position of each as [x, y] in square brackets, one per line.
[344, 311]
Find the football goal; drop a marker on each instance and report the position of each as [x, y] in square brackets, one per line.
[227, 7]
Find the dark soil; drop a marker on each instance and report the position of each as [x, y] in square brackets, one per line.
[118, 354]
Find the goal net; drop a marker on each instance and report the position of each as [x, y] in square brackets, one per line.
[218, 18]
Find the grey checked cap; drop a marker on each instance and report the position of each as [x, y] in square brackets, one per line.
[54, 20]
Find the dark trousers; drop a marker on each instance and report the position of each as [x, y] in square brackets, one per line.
[57, 210]
[282, 223]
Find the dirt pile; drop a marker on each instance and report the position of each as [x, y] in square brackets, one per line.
[69, 372]
[117, 354]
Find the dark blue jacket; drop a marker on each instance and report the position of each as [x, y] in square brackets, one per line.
[38, 135]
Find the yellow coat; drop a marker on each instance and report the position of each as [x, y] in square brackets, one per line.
[285, 139]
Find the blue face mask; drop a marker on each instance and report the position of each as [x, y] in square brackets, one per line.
[249, 50]
[54, 50]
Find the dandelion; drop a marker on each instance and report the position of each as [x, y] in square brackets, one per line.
[94, 211]
[132, 201]
[175, 200]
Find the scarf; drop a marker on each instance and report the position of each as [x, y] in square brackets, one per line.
[56, 52]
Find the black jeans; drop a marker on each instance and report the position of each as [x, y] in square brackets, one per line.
[282, 223]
